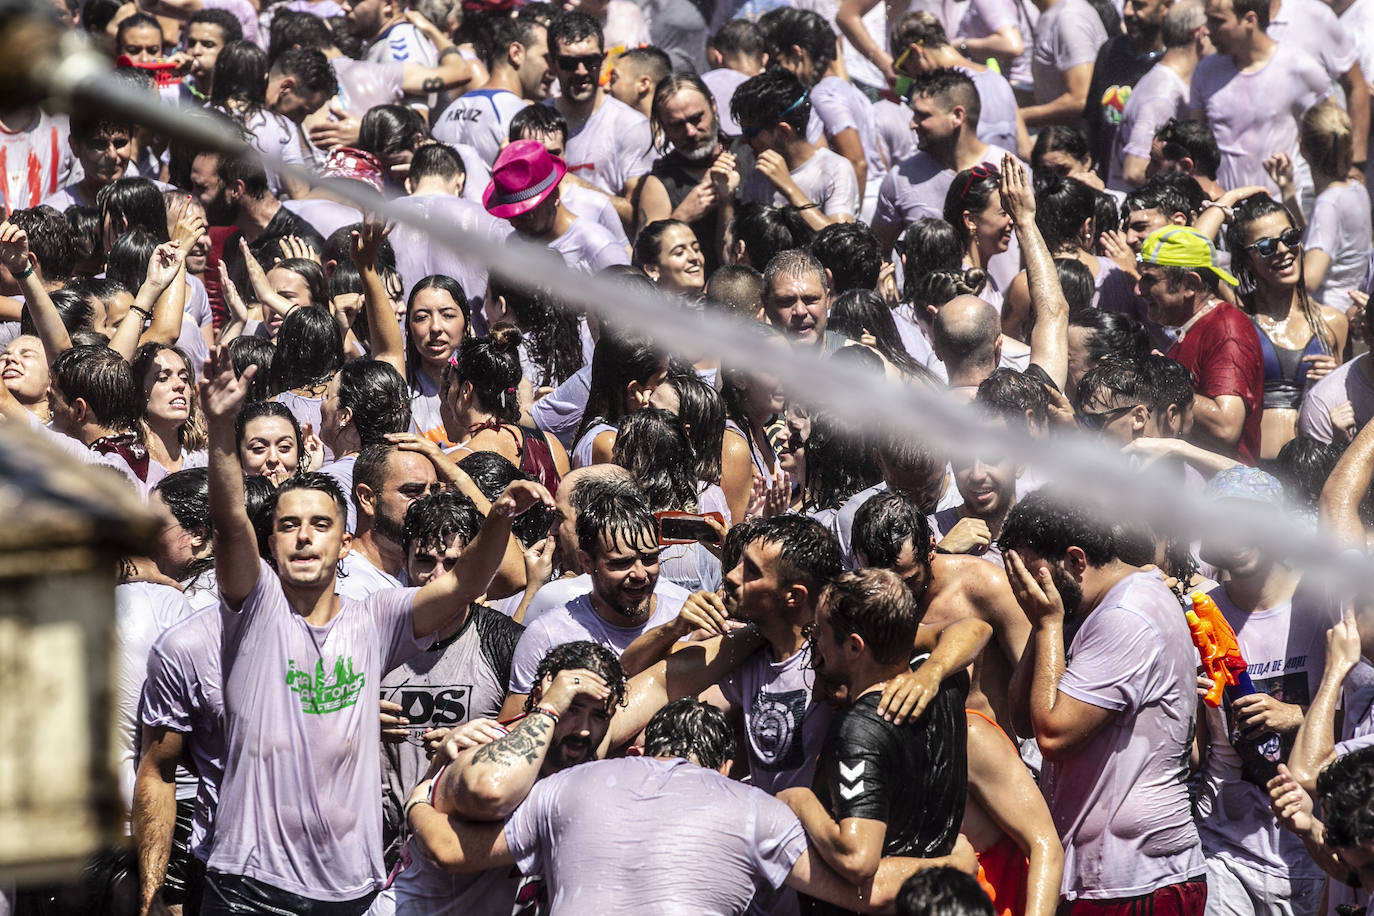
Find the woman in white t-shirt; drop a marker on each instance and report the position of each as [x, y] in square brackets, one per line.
[172, 425]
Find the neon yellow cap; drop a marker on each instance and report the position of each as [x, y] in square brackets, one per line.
[1182, 246]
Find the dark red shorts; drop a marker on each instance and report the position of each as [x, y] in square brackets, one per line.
[1186, 899]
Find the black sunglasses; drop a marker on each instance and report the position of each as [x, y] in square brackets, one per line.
[1268, 247]
[1093, 422]
[570, 63]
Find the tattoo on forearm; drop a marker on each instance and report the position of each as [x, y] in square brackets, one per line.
[433, 84]
[526, 741]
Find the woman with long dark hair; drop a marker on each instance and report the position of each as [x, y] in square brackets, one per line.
[172, 425]
[973, 206]
[669, 254]
[752, 402]
[185, 547]
[268, 440]
[625, 371]
[392, 133]
[481, 402]
[240, 91]
[862, 315]
[308, 354]
[551, 348]
[1301, 341]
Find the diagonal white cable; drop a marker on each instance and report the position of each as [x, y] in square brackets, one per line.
[1079, 467]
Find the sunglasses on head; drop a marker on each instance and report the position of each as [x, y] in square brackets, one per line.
[980, 172]
[1268, 247]
[1093, 422]
[570, 62]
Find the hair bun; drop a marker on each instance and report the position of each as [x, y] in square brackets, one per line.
[975, 278]
[505, 337]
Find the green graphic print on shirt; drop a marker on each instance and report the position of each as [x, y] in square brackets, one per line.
[320, 696]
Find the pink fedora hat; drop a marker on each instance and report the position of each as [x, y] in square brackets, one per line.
[522, 177]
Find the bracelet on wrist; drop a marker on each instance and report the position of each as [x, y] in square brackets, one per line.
[142, 311]
[546, 711]
[25, 273]
[811, 206]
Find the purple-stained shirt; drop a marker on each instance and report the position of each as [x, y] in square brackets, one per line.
[592, 205]
[997, 118]
[324, 216]
[481, 119]
[577, 621]
[1255, 115]
[1068, 34]
[417, 257]
[916, 188]
[300, 806]
[589, 246]
[1120, 801]
[896, 139]
[1340, 226]
[614, 146]
[784, 726]
[842, 107]
[365, 84]
[723, 82]
[827, 179]
[1312, 26]
[1160, 95]
[184, 693]
[1346, 382]
[700, 843]
[143, 611]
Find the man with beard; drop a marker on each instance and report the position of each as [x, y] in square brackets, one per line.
[1115, 721]
[883, 789]
[695, 181]
[1121, 62]
[233, 189]
[386, 480]
[617, 544]
[610, 145]
[520, 75]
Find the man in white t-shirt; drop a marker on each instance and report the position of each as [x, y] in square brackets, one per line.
[520, 74]
[1252, 92]
[301, 669]
[391, 38]
[1114, 722]
[524, 190]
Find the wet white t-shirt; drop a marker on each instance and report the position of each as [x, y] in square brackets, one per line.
[827, 179]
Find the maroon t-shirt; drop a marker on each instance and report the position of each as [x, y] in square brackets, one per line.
[1223, 352]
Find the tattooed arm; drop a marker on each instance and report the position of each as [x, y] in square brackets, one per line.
[488, 782]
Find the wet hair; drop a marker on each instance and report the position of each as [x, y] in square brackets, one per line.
[313, 275]
[460, 300]
[1113, 335]
[1050, 527]
[435, 518]
[1258, 7]
[736, 287]
[127, 262]
[492, 473]
[292, 29]
[862, 310]
[786, 26]
[773, 97]
[1077, 283]
[551, 333]
[968, 193]
[839, 463]
[1346, 788]
[766, 231]
[261, 409]
[1106, 216]
[1303, 464]
[929, 245]
[648, 247]
[50, 239]
[1058, 138]
[535, 121]
[795, 262]
[851, 253]
[617, 360]
[1155, 194]
[937, 287]
[1249, 210]
[378, 397]
[310, 68]
[1012, 395]
[308, 351]
[571, 27]
[1193, 140]
[615, 516]
[702, 411]
[1171, 383]
[246, 350]
[1114, 381]
[590, 656]
[491, 365]
[370, 470]
[192, 434]
[942, 891]
[86, 236]
[692, 729]
[336, 250]
[73, 308]
[240, 78]
[504, 31]
[740, 535]
[230, 29]
[134, 203]
[653, 446]
[876, 606]
[1063, 205]
[309, 480]
[258, 496]
[885, 524]
[389, 129]
[808, 554]
[440, 161]
[950, 88]
[669, 86]
[135, 21]
[104, 380]
[246, 166]
[187, 495]
[739, 36]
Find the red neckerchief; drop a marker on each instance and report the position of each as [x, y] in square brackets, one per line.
[126, 446]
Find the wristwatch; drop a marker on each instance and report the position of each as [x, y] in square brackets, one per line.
[963, 46]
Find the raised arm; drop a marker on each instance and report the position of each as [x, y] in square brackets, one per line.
[1315, 743]
[849, 18]
[1345, 488]
[236, 544]
[23, 266]
[163, 269]
[447, 598]
[1049, 338]
[384, 333]
[452, 70]
[170, 306]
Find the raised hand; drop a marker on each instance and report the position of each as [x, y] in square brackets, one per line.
[364, 243]
[221, 390]
[166, 260]
[14, 249]
[1017, 192]
[520, 497]
[559, 691]
[539, 562]
[1035, 592]
[293, 246]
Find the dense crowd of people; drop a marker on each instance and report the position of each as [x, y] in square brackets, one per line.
[467, 600]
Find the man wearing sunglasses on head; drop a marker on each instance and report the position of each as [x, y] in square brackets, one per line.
[1213, 339]
[610, 145]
